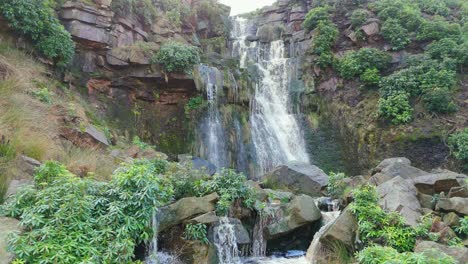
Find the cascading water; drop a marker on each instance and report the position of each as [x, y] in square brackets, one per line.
[276, 134]
[226, 242]
[212, 132]
[154, 256]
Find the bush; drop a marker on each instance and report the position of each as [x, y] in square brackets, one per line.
[405, 13]
[67, 219]
[438, 29]
[177, 57]
[194, 103]
[439, 100]
[459, 144]
[322, 44]
[336, 186]
[37, 21]
[382, 255]
[463, 228]
[358, 17]
[141, 9]
[196, 232]
[315, 16]
[395, 34]
[396, 108]
[370, 77]
[357, 62]
[434, 7]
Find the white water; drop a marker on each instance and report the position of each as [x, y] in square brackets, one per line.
[276, 134]
[155, 256]
[279, 260]
[226, 242]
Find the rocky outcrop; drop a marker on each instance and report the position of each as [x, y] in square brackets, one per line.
[432, 249]
[185, 209]
[436, 183]
[390, 168]
[400, 195]
[299, 212]
[454, 204]
[7, 226]
[298, 178]
[22, 174]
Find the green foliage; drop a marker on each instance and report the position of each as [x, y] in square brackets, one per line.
[384, 255]
[196, 232]
[438, 28]
[396, 107]
[67, 219]
[141, 9]
[177, 57]
[141, 144]
[440, 100]
[448, 48]
[315, 16]
[370, 77]
[43, 95]
[194, 103]
[230, 186]
[375, 225]
[463, 228]
[459, 144]
[322, 43]
[395, 34]
[358, 17]
[336, 186]
[36, 20]
[434, 7]
[356, 63]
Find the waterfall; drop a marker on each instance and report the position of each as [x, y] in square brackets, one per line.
[226, 242]
[212, 131]
[276, 134]
[153, 255]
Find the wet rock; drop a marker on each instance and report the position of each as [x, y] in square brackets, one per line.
[400, 195]
[186, 208]
[297, 178]
[392, 167]
[203, 165]
[432, 249]
[242, 235]
[431, 184]
[7, 226]
[299, 212]
[208, 218]
[455, 204]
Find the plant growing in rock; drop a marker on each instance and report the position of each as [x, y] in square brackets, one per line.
[458, 142]
[396, 108]
[315, 16]
[336, 186]
[395, 34]
[463, 228]
[358, 17]
[322, 44]
[355, 63]
[194, 104]
[177, 57]
[380, 255]
[196, 232]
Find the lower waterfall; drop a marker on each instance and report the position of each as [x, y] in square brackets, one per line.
[226, 242]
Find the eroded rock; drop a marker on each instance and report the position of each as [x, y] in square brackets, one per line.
[7, 226]
[455, 204]
[432, 249]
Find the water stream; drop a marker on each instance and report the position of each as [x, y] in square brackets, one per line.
[226, 242]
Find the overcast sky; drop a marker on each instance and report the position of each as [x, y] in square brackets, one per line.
[244, 6]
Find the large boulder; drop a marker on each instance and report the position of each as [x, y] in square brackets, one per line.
[7, 226]
[439, 182]
[298, 178]
[23, 173]
[241, 234]
[400, 195]
[299, 212]
[185, 209]
[432, 249]
[455, 204]
[392, 167]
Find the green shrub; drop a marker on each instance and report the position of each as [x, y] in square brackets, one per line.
[370, 77]
[358, 17]
[434, 7]
[395, 34]
[37, 21]
[196, 232]
[383, 255]
[404, 12]
[43, 95]
[322, 43]
[439, 100]
[357, 62]
[194, 103]
[438, 28]
[336, 186]
[141, 9]
[396, 108]
[463, 228]
[315, 16]
[448, 48]
[177, 57]
[67, 219]
[459, 144]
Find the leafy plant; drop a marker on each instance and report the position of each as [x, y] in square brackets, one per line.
[463, 228]
[177, 57]
[322, 43]
[141, 144]
[355, 63]
[193, 104]
[336, 186]
[315, 16]
[196, 232]
[358, 17]
[459, 144]
[439, 100]
[381, 255]
[395, 34]
[437, 29]
[370, 77]
[43, 95]
[36, 20]
[396, 108]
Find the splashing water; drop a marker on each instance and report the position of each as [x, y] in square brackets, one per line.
[154, 256]
[226, 242]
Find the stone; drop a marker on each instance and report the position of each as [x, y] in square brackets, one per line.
[208, 218]
[343, 230]
[392, 167]
[433, 249]
[458, 192]
[242, 235]
[22, 174]
[371, 29]
[105, 3]
[186, 208]
[97, 134]
[431, 184]
[16, 185]
[455, 204]
[93, 36]
[298, 178]
[203, 165]
[400, 195]
[299, 212]
[451, 219]
[7, 226]
[425, 200]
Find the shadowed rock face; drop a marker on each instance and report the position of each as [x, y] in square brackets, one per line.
[7, 226]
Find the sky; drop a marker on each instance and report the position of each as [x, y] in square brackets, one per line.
[244, 6]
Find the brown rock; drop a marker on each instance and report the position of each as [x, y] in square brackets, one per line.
[371, 29]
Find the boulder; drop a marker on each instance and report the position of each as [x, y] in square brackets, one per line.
[298, 178]
[432, 249]
[455, 204]
[392, 167]
[439, 182]
[371, 29]
[7, 226]
[242, 235]
[208, 218]
[400, 195]
[203, 165]
[97, 134]
[23, 174]
[186, 208]
[299, 212]
[451, 219]
[92, 36]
